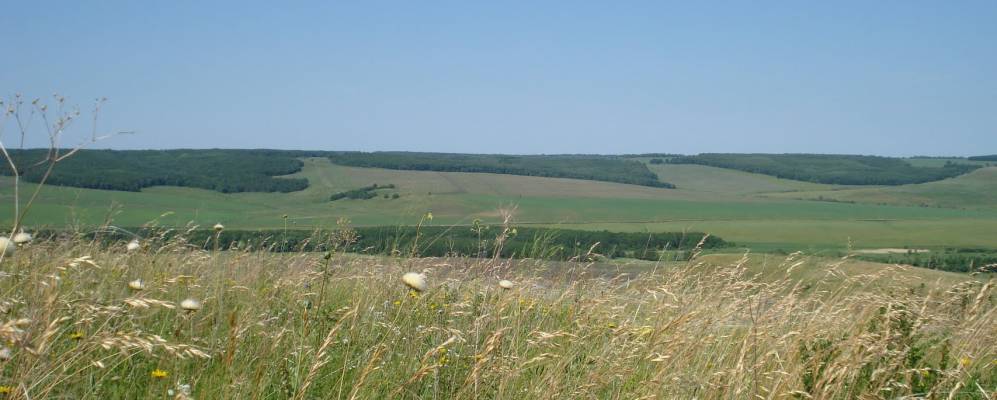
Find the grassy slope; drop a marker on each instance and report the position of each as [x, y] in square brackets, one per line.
[708, 179]
[737, 206]
[976, 190]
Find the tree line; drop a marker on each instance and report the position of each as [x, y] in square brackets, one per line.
[588, 167]
[829, 168]
[363, 193]
[953, 260]
[226, 171]
[454, 241]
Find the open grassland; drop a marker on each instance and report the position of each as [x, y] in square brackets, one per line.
[830, 168]
[836, 235]
[309, 325]
[724, 182]
[742, 207]
[975, 190]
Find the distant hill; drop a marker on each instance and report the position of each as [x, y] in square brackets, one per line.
[588, 167]
[830, 168]
[992, 157]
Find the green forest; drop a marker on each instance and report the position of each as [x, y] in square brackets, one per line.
[952, 260]
[992, 157]
[364, 193]
[226, 171]
[596, 168]
[829, 168]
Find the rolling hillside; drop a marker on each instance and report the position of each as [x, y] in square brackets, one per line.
[975, 190]
[749, 209]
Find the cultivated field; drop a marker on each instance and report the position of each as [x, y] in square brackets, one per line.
[753, 210]
[167, 320]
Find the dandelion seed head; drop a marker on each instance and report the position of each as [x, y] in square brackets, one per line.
[506, 284]
[133, 245]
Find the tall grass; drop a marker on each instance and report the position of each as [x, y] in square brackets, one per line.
[328, 325]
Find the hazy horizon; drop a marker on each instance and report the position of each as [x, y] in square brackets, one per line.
[518, 154]
[891, 79]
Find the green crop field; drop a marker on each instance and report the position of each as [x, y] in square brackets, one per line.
[975, 190]
[752, 210]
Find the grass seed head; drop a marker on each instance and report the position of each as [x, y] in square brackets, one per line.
[416, 281]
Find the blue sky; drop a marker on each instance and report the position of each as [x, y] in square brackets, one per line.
[882, 77]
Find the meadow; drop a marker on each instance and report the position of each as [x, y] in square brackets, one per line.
[753, 210]
[167, 319]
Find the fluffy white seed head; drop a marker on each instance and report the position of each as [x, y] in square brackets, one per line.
[136, 285]
[190, 305]
[7, 247]
[6, 354]
[506, 284]
[22, 238]
[415, 281]
[218, 227]
[133, 245]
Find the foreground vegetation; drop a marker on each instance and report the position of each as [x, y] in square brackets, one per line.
[830, 168]
[319, 325]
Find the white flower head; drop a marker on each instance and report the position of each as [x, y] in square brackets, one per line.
[22, 237]
[190, 304]
[416, 281]
[506, 284]
[136, 285]
[218, 227]
[133, 245]
[7, 247]
[6, 354]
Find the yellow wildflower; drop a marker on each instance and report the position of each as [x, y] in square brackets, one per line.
[443, 356]
[6, 389]
[159, 374]
[76, 335]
